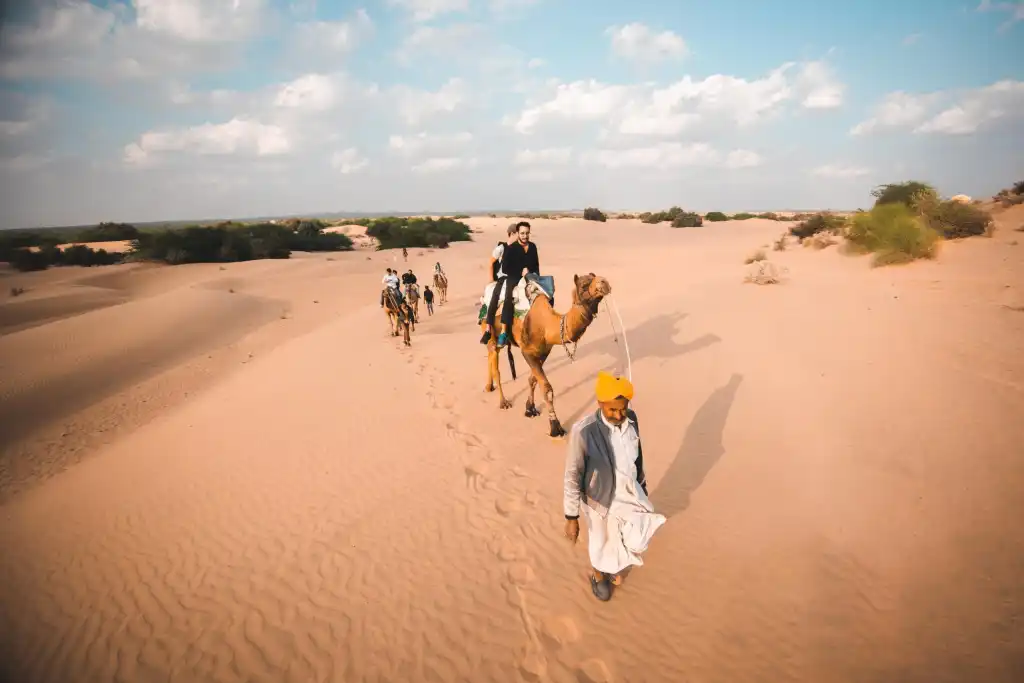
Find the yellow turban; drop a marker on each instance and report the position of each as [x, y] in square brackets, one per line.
[610, 387]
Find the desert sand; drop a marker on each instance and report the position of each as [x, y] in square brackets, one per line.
[232, 473]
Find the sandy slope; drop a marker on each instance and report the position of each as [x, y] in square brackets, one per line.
[839, 457]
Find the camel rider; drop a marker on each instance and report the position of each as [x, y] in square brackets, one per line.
[438, 270]
[498, 277]
[408, 278]
[390, 281]
[518, 259]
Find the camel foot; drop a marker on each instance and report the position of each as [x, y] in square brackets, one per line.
[488, 388]
[505, 404]
[531, 410]
[556, 428]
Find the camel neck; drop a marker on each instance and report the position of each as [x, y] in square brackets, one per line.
[577, 319]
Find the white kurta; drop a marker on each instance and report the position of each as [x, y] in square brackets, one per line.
[617, 540]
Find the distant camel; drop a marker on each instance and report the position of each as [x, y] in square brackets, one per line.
[399, 315]
[441, 286]
[540, 331]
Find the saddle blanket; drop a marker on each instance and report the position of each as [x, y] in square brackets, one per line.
[520, 303]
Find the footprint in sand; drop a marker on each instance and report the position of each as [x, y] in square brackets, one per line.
[534, 667]
[594, 671]
[520, 574]
[511, 551]
[560, 631]
[508, 506]
[476, 477]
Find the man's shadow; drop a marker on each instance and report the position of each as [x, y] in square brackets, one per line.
[700, 451]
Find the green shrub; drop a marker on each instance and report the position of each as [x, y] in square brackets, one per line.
[397, 232]
[907, 193]
[953, 220]
[894, 233]
[592, 214]
[742, 216]
[108, 232]
[819, 222]
[769, 215]
[715, 216]
[661, 216]
[460, 216]
[77, 255]
[687, 219]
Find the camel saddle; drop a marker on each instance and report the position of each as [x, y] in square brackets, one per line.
[522, 298]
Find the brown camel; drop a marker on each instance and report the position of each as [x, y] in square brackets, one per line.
[399, 316]
[412, 297]
[441, 286]
[540, 331]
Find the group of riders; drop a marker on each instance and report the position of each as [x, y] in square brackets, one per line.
[511, 261]
[395, 284]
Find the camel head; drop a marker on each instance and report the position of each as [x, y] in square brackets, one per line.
[590, 290]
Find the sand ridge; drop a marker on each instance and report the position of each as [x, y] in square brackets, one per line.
[832, 453]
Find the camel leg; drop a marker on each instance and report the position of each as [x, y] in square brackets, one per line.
[406, 339]
[495, 375]
[549, 396]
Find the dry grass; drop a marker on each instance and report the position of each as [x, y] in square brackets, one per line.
[764, 273]
[17, 291]
[821, 240]
[758, 255]
[780, 244]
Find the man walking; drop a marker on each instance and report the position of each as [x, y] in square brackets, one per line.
[604, 469]
[428, 298]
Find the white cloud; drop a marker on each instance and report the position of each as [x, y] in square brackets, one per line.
[204, 21]
[1014, 10]
[442, 164]
[672, 155]
[645, 110]
[427, 144]
[312, 92]
[415, 106]
[821, 88]
[535, 63]
[898, 109]
[437, 42]
[961, 113]
[536, 175]
[639, 43]
[235, 137]
[348, 161]
[977, 109]
[333, 37]
[425, 10]
[839, 171]
[552, 156]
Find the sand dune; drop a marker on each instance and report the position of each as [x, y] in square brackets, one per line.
[838, 456]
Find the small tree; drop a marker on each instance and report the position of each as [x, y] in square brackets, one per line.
[715, 216]
[592, 214]
[908, 193]
[687, 219]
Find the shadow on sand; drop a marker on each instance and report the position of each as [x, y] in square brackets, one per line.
[699, 453]
[650, 339]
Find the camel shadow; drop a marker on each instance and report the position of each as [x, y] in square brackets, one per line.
[700, 451]
[650, 339]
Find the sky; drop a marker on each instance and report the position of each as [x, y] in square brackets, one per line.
[148, 110]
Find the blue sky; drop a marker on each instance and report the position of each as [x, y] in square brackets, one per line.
[141, 110]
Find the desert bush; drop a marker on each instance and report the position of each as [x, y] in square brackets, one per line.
[17, 291]
[894, 233]
[758, 255]
[108, 232]
[687, 219]
[780, 244]
[715, 216]
[742, 216]
[592, 214]
[1018, 187]
[953, 220]
[627, 216]
[78, 255]
[460, 216]
[819, 222]
[769, 215]
[908, 193]
[397, 232]
[661, 216]
[821, 240]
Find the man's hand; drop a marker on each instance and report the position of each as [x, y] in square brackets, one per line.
[572, 530]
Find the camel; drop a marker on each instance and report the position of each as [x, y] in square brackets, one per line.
[441, 287]
[540, 331]
[412, 296]
[399, 316]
